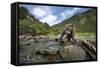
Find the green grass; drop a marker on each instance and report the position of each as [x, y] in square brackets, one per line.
[86, 36]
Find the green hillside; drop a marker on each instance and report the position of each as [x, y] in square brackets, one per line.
[84, 22]
[28, 24]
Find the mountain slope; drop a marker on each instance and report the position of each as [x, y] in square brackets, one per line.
[28, 24]
[85, 22]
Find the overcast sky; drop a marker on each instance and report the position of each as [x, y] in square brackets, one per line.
[53, 14]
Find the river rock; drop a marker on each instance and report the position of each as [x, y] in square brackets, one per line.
[46, 51]
[72, 53]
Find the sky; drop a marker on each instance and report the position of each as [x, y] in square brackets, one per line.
[53, 14]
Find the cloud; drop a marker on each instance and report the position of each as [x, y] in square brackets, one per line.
[50, 19]
[51, 15]
[44, 14]
[75, 9]
[38, 12]
[68, 13]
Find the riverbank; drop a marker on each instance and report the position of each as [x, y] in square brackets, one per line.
[42, 49]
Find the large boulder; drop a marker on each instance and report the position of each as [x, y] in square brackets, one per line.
[72, 53]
